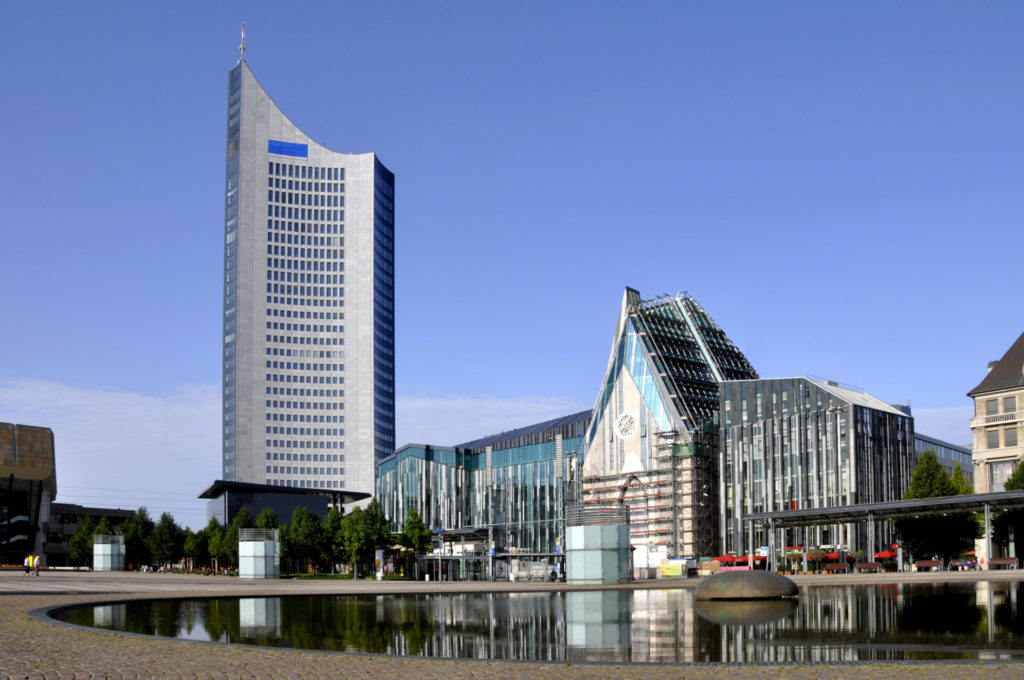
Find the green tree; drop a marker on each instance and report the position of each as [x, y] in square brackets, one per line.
[415, 537]
[215, 543]
[194, 547]
[306, 538]
[80, 545]
[242, 520]
[165, 541]
[945, 537]
[267, 519]
[102, 528]
[334, 536]
[137, 531]
[365, 531]
[961, 484]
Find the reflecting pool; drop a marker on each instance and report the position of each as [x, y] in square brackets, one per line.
[827, 623]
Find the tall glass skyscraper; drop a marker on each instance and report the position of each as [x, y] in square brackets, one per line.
[309, 353]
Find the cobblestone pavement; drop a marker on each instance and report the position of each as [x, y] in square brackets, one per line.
[34, 649]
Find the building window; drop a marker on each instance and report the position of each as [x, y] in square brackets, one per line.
[1010, 436]
[993, 438]
[991, 407]
[1000, 473]
[1009, 405]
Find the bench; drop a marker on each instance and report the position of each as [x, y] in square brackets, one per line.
[929, 565]
[999, 562]
[869, 566]
[837, 566]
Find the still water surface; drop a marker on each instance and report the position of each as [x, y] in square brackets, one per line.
[827, 623]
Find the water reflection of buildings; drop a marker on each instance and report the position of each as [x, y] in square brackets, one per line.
[827, 624]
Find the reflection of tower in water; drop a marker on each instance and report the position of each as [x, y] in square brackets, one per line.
[259, 617]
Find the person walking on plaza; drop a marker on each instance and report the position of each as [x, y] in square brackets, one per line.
[28, 564]
[35, 565]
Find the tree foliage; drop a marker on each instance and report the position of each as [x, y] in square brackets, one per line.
[944, 537]
[242, 520]
[137, 531]
[305, 538]
[166, 541]
[215, 544]
[365, 531]
[334, 535]
[267, 519]
[80, 545]
[415, 537]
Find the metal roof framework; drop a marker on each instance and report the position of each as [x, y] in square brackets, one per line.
[870, 512]
[912, 509]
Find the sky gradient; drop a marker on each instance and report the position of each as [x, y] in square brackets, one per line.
[839, 185]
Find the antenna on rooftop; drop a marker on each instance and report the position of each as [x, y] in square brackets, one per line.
[241, 48]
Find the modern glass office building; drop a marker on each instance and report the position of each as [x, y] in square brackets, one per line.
[798, 443]
[948, 455]
[652, 442]
[308, 356]
[509, 487]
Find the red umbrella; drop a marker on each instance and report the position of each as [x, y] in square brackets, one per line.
[885, 555]
[832, 556]
[724, 558]
[970, 552]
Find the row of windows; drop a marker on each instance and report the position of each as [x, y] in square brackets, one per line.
[302, 228]
[302, 240]
[310, 457]
[289, 470]
[300, 277]
[305, 392]
[315, 200]
[992, 406]
[311, 431]
[304, 291]
[305, 172]
[303, 301]
[300, 444]
[331, 187]
[333, 380]
[304, 405]
[301, 340]
[299, 417]
[1009, 437]
[304, 483]
[313, 214]
[304, 328]
[303, 366]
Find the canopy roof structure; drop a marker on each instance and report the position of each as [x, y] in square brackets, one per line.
[912, 509]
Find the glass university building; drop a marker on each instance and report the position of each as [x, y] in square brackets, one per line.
[514, 483]
[308, 362]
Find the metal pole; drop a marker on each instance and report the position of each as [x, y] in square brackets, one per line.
[988, 535]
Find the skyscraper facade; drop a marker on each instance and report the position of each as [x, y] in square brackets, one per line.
[308, 359]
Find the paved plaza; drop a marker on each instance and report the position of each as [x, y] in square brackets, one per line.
[31, 648]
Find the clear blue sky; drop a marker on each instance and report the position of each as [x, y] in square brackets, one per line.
[839, 184]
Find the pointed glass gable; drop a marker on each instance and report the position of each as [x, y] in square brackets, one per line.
[672, 341]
